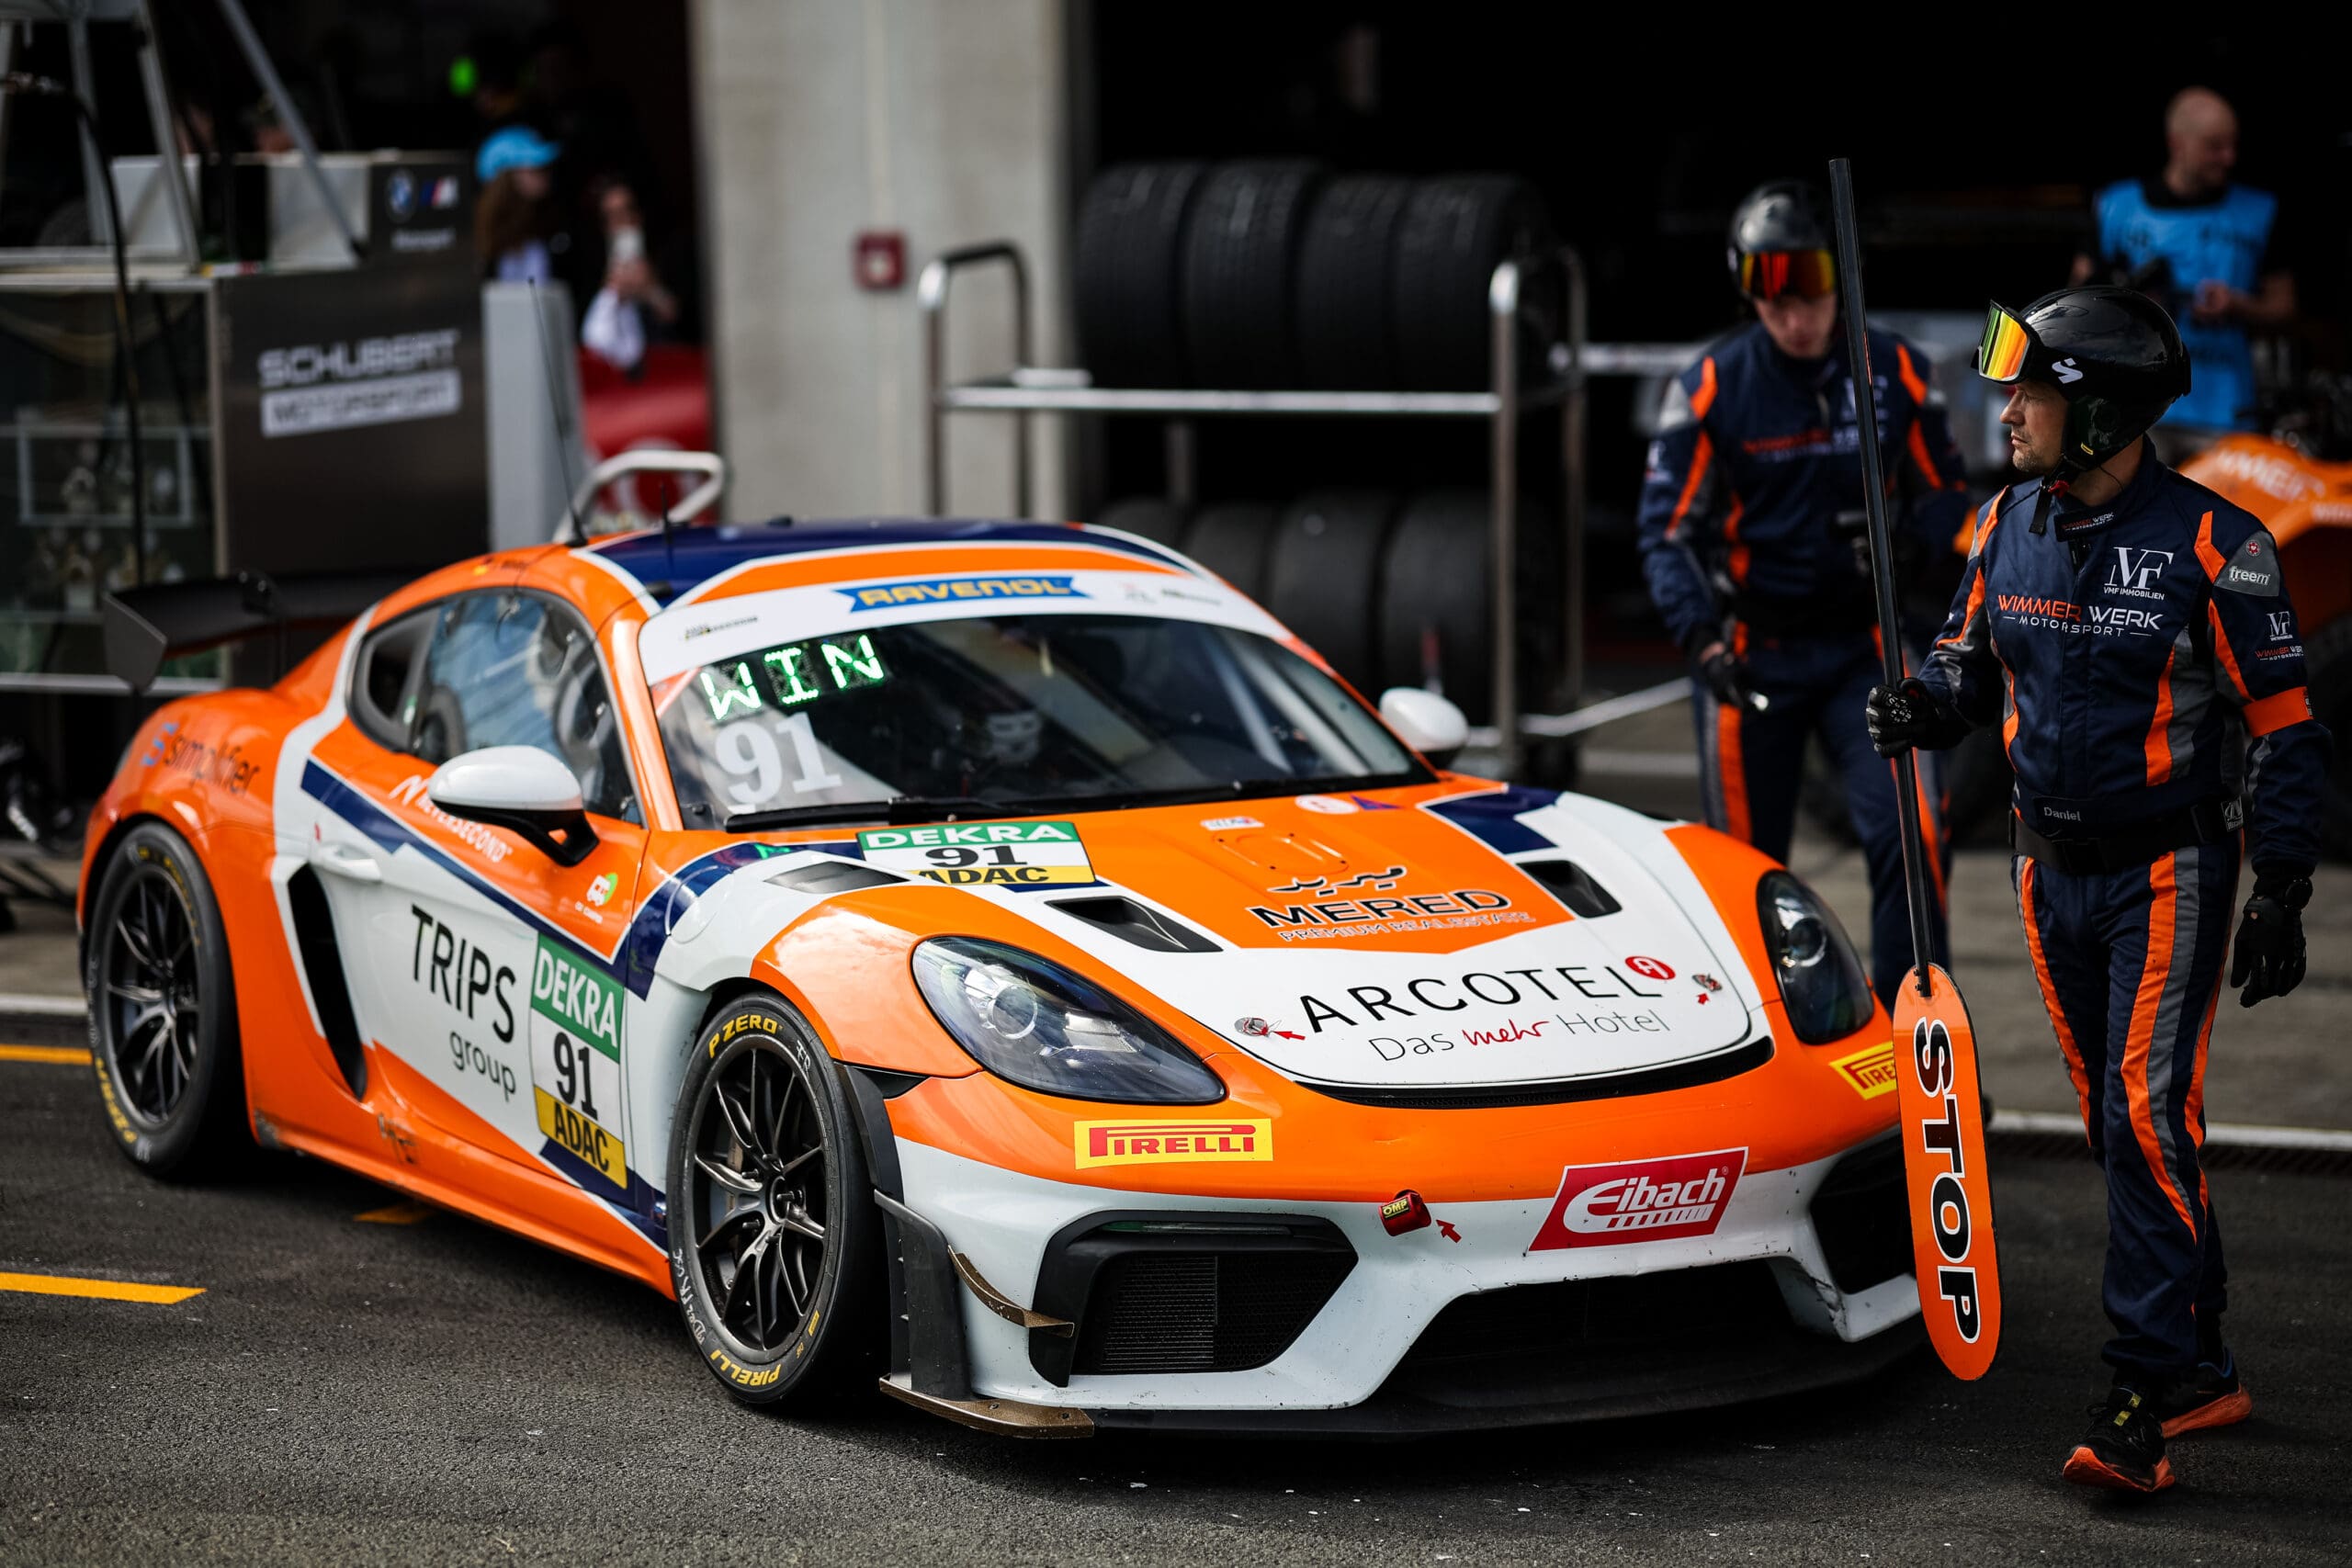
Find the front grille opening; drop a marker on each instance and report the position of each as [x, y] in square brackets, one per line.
[1203, 1312]
[1572, 885]
[1724, 1306]
[1862, 1219]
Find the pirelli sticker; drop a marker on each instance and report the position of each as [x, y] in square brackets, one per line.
[1171, 1143]
[576, 1081]
[1869, 1072]
[1019, 854]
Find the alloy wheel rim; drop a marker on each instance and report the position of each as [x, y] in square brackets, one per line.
[153, 997]
[756, 1171]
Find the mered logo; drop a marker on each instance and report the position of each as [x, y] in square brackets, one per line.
[1354, 911]
[1869, 1072]
[1171, 1142]
[1652, 1200]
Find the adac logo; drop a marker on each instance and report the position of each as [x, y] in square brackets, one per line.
[1651, 1199]
[1171, 1142]
[943, 590]
[1869, 1072]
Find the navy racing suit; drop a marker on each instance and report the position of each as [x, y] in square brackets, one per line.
[2144, 662]
[1751, 531]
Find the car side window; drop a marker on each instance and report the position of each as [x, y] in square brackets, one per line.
[380, 676]
[515, 669]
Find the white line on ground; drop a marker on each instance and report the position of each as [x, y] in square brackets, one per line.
[25, 1006]
[1603, 763]
[2218, 1134]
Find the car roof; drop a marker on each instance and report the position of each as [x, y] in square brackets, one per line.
[692, 555]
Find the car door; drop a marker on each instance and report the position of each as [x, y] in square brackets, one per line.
[492, 970]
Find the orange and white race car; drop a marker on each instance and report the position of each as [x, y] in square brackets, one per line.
[998, 959]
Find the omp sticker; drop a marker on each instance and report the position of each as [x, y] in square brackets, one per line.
[933, 590]
[1651, 1199]
[1869, 1072]
[1171, 1143]
[577, 1088]
[962, 854]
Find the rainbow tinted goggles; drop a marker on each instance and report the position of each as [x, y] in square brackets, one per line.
[1774, 275]
[2008, 348]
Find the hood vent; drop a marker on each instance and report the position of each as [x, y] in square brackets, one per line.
[1133, 923]
[1572, 885]
[829, 875]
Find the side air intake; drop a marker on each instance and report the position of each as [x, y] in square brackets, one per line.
[1133, 923]
[830, 874]
[1572, 885]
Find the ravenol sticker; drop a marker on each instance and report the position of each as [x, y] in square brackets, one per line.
[1171, 1143]
[938, 589]
[576, 1082]
[1869, 1072]
[1033, 854]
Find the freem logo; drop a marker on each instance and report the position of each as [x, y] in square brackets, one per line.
[1171, 1143]
[1651, 1199]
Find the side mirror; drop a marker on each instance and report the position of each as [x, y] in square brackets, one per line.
[520, 788]
[1427, 723]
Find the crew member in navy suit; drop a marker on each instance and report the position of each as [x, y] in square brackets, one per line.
[1753, 543]
[2130, 631]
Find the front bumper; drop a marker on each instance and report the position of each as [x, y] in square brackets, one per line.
[1444, 1328]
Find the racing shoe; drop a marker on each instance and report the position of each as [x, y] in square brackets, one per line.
[2214, 1398]
[2124, 1449]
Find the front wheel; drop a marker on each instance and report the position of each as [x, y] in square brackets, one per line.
[775, 1245]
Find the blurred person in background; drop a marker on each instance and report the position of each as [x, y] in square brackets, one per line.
[2206, 250]
[1752, 541]
[515, 229]
[632, 306]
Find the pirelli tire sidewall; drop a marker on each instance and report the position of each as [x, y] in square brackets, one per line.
[207, 1129]
[838, 1350]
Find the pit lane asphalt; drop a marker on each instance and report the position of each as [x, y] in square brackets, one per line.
[358, 1392]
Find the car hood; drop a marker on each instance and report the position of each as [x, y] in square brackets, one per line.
[1401, 937]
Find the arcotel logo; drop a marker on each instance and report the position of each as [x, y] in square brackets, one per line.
[1651, 1199]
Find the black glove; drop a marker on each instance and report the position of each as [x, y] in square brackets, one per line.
[1900, 718]
[1726, 676]
[2269, 958]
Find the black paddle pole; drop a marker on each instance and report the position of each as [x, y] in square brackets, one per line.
[1890, 627]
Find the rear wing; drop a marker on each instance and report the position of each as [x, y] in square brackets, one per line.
[144, 627]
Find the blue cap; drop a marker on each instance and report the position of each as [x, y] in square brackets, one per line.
[516, 147]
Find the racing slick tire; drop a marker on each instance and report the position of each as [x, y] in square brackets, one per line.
[1436, 596]
[1231, 540]
[1343, 302]
[1323, 574]
[1454, 232]
[2327, 667]
[1239, 249]
[1126, 267]
[775, 1245]
[163, 1037]
[1154, 517]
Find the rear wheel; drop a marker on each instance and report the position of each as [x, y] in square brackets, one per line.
[774, 1248]
[164, 1010]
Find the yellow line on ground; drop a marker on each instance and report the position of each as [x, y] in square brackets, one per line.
[56, 1055]
[396, 1214]
[104, 1289]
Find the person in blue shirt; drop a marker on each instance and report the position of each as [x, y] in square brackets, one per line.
[1751, 535]
[2130, 633]
[2204, 249]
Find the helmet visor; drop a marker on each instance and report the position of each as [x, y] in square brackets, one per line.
[1776, 274]
[2001, 355]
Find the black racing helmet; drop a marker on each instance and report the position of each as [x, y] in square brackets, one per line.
[2111, 352]
[1781, 243]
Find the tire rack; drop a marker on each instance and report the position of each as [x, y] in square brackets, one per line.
[1028, 390]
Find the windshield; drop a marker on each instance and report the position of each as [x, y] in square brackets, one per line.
[1025, 711]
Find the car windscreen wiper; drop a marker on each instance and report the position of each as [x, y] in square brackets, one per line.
[897, 811]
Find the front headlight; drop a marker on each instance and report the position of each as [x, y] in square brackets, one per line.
[1821, 979]
[1030, 1021]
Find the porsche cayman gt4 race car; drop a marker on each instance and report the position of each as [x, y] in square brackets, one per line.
[996, 959]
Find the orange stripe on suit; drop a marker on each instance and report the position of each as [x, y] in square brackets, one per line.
[2073, 1052]
[2164, 907]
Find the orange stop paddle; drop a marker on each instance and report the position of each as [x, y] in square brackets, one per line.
[1948, 1191]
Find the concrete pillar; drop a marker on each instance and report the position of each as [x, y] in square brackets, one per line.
[945, 119]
